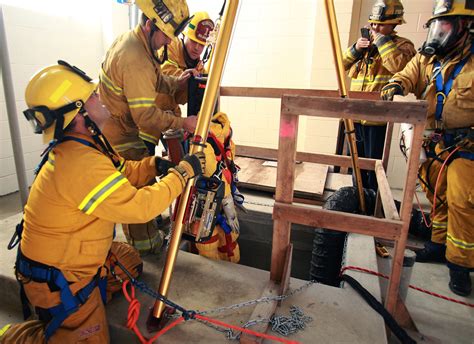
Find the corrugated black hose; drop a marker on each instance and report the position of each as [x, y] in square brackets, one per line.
[396, 329]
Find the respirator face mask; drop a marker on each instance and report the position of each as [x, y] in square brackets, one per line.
[442, 35]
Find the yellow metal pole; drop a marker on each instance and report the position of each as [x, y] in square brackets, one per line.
[348, 123]
[200, 137]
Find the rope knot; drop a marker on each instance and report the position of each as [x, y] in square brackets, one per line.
[189, 315]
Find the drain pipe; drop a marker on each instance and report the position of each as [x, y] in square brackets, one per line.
[12, 113]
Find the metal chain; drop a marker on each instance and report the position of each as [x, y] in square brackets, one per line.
[258, 203]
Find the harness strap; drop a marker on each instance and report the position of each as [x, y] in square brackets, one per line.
[47, 274]
[444, 88]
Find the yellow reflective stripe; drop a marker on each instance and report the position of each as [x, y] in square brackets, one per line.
[460, 243]
[121, 167]
[101, 192]
[379, 79]
[437, 224]
[387, 48]
[4, 329]
[134, 103]
[171, 62]
[147, 244]
[148, 137]
[108, 82]
[130, 145]
[51, 161]
[60, 91]
[349, 55]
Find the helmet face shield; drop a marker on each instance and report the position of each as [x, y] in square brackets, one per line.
[442, 35]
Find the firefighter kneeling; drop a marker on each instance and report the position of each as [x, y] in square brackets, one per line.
[81, 190]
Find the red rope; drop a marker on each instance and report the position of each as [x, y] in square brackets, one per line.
[375, 273]
[134, 314]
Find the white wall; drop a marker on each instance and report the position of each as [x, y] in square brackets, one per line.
[38, 34]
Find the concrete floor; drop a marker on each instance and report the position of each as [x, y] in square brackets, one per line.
[440, 320]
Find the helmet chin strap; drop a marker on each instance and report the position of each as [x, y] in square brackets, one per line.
[100, 139]
[153, 53]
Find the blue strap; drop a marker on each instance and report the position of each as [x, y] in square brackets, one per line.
[466, 155]
[69, 303]
[221, 220]
[444, 88]
[77, 139]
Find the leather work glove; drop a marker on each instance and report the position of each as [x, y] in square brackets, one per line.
[191, 166]
[230, 213]
[390, 90]
[162, 166]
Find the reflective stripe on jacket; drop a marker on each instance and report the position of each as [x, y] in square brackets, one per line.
[458, 111]
[388, 55]
[130, 79]
[74, 204]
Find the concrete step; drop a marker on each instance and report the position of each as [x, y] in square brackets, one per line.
[202, 284]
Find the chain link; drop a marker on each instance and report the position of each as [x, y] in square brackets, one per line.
[258, 203]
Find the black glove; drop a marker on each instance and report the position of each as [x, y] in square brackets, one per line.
[162, 166]
[390, 90]
[197, 161]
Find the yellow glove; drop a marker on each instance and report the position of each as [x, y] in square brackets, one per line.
[390, 90]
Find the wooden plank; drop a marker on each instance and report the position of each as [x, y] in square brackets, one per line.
[335, 181]
[352, 223]
[389, 208]
[267, 309]
[371, 110]
[403, 317]
[405, 215]
[317, 158]
[262, 310]
[309, 178]
[268, 92]
[285, 281]
[284, 191]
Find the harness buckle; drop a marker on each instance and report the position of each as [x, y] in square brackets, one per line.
[442, 99]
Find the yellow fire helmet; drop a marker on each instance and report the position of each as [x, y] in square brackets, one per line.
[199, 27]
[387, 12]
[170, 16]
[55, 95]
[445, 8]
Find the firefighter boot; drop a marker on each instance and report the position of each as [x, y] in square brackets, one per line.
[459, 280]
[432, 252]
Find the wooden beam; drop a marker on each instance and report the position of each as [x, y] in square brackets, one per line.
[352, 223]
[388, 203]
[285, 281]
[284, 192]
[268, 92]
[263, 310]
[326, 159]
[371, 110]
[405, 215]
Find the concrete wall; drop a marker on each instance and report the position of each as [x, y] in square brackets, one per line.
[276, 43]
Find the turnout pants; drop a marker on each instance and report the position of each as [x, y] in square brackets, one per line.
[453, 223]
[145, 237]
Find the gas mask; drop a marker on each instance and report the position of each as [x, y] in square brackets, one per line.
[443, 34]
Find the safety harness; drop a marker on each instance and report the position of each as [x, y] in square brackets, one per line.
[450, 137]
[42, 273]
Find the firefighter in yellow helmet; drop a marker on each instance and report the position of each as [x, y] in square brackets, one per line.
[371, 62]
[82, 188]
[130, 80]
[184, 53]
[442, 73]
